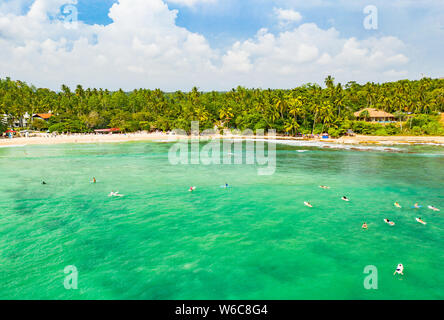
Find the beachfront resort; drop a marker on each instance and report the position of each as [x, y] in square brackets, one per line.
[223, 152]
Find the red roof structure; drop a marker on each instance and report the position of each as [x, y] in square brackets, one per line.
[44, 116]
[107, 130]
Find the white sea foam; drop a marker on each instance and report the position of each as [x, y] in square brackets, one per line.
[13, 146]
[431, 144]
[320, 144]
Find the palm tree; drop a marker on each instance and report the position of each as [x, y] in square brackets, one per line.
[329, 82]
[364, 114]
[327, 114]
[295, 106]
[291, 125]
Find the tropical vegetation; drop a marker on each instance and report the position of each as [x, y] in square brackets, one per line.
[306, 109]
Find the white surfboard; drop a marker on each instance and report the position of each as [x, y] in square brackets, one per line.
[308, 204]
[390, 223]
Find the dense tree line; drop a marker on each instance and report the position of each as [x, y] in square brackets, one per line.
[305, 109]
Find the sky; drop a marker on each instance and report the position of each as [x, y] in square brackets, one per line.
[218, 44]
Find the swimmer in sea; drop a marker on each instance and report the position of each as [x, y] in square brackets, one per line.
[399, 269]
[94, 180]
[43, 182]
[115, 194]
[421, 221]
[192, 189]
[345, 198]
[364, 226]
[308, 204]
[397, 205]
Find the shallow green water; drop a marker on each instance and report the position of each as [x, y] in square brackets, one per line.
[255, 240]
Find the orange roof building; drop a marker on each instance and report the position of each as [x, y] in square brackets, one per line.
[43, 116]
[375, 115]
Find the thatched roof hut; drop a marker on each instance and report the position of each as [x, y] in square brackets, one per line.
[375, 115]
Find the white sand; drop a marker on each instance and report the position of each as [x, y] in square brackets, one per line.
[45, 139]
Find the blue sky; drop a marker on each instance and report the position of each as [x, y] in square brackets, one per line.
[219, 44]
[228, 20]
[223, 22]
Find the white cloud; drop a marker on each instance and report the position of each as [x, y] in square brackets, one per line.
[190, 3]
[143, 47]
[287, 15]
[360, 4]
[308, 53]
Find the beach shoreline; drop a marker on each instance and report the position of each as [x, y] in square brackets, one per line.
[163, 137]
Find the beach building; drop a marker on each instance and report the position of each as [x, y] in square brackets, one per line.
[14, 122]
[42, 116]
[375, 115]
[108, 131]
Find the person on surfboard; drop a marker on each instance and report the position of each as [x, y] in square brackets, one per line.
[399, 269]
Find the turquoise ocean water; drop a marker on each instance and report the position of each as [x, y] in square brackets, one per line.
[255, 240]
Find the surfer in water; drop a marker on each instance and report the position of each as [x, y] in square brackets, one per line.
[43, 182]
[397, 205]
[192, 189]
[399, 269]
[115, 194]
[324, 187]
[364, 226]
[345, 198]
[94, 180]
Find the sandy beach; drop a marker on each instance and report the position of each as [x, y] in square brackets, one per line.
[82, 138]
[108, 138]
[390, 140]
